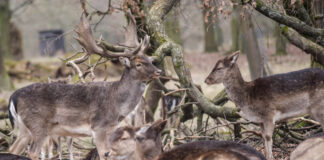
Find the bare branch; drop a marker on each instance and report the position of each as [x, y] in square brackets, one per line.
[305, 44]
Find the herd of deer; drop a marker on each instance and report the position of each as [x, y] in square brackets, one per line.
[44, 113]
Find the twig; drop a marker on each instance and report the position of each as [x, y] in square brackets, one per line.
[307, 120]
[175, 91]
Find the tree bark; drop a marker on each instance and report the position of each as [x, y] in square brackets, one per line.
[172, 27]
[304, 44]
[211, 44]
[253, 48]
[300, 26]
[235, 28]
[5, 82]
[166, 47]
[280, 41]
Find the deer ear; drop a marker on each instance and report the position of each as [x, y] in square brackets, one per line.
[125, 61]
[158, 126]
[233, 58]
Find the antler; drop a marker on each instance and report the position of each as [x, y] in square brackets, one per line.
[87, 41]
[85, 37]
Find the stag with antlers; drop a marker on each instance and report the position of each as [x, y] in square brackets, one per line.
[92, 109]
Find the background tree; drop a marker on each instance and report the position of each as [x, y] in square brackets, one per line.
[5, 50]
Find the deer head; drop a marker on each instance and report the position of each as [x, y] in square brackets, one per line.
[132, 143]
[132, 58]
[222, 69]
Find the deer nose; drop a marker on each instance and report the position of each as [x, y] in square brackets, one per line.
[207, 81]
[158, 72]
[107, 154]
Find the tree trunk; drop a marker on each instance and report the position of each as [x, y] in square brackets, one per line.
[164, 46]
[5, 82]
[212, 34]
[172, 27]
[318, 9]
[4, 27]
[235, 26]
[254, 48]
[280, 41]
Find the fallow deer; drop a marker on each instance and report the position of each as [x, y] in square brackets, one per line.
[8, 156]
[92, 109]
[130, 143]
[274, 98]
[137, 117]
[311, 148]
[57, 139]
[134, 143]
[212, 150]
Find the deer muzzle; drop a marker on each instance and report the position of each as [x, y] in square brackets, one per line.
[158, 72]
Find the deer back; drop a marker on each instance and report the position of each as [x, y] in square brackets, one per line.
[8, 156]
[223, 150]
[134, 143]
[311, 148]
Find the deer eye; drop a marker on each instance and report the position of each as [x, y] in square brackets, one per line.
[123, 139]
[140, 139]
[138, 64]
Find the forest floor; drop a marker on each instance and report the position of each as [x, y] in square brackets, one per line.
[200, 65]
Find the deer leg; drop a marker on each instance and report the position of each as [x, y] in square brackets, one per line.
[20, 144]
[35, 148]
[101, 141]
[267, 131]
[22, 140]
[59, 147]
[50, 148]
[69, 142]
[318, 114]
[43, 152]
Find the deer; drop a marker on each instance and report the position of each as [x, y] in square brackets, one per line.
[268, 100]
[56, 139]
[144, 143]
[8, 156]
[137, 117]
[134, 143]
[93, 109]
[217, 150]
[311, 148]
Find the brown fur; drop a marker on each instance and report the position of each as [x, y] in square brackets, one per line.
[46, 109]
[311, 148]
[130, 143]
[8, 156]
[270, 99]
[205, 150]
[133, 143]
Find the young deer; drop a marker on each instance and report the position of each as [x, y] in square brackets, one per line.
[92, 109]
[134, 143]
[274, 98]
[311, 148]
[130, 143]
[137, 117]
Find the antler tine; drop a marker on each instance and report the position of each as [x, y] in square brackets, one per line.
[85, 37]
[145, 45]
[87, 41]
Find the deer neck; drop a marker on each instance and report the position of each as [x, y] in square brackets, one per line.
[130, 90]
[235, 86]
